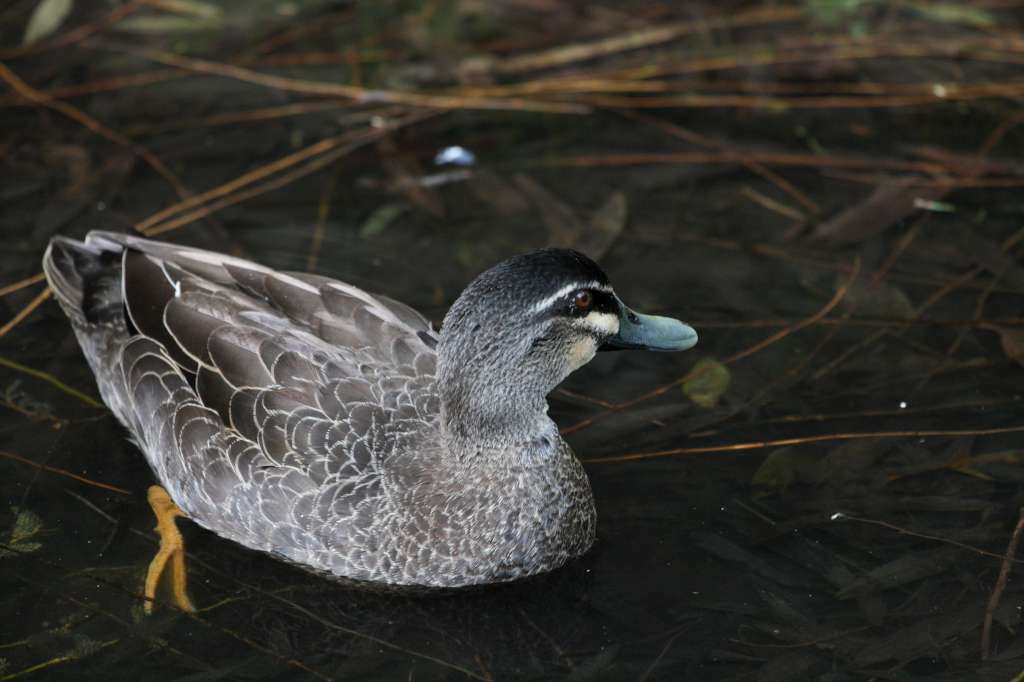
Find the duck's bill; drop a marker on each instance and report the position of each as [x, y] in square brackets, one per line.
[650, 332]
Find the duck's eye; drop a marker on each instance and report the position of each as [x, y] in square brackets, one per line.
[582, 300]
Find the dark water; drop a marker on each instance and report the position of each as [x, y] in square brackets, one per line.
[853, 269]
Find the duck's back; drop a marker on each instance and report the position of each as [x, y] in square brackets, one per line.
[270, 405]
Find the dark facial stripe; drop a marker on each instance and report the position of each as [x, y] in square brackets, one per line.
[603, 302]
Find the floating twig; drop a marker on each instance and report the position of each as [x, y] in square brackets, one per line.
[800, 440]
[21, 284]
[26, 311]
[357, 94]
[79, 116]
[49, 378]
[64, 472]
[997, 591]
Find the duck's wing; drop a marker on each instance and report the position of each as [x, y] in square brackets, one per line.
[267, 402]
[339, 313]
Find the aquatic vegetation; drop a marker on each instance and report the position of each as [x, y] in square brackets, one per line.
[27, 525]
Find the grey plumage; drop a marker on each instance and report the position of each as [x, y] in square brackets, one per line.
[307, 418]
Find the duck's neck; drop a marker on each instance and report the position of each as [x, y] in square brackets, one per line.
[493, 378]
[493, 407]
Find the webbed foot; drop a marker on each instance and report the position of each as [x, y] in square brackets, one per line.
[172, 548]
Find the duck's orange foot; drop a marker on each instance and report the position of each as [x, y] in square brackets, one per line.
[172, 548]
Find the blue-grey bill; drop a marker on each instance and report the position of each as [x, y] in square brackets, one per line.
[650, 332]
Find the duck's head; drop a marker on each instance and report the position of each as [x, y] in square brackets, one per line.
[519, 329]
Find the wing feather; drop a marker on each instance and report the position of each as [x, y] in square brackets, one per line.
[234, 353]
[240, 377]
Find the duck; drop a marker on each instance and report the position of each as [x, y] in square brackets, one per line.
[336, 429]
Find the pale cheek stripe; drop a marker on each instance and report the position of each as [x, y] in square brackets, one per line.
[547, 302]
[601, 323]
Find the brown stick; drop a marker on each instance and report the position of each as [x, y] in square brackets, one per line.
[841, 516]
[997, 591]
[75, 114]
[573, 53]
[315, 157]
[263, 171]
[352, 92]
[18, 286]
[64, 472]
[799, 440]
[767, 158]
[25, 312]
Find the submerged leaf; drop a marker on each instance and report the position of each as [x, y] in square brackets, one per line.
[784, 467]
[754, 562]
[904, 570]
[159, 25]
[710, 380]
[193, 7]
[595, 665]
[26, 526]
[406, 176]
[890, 203]
[876, 299]
[833, 12]
[1005, 465]
[501, 196]
[606, 225]
[564, 227]
[567, 230]
[955, 13]
[47, 18]
[1012, 339]
[380, 219]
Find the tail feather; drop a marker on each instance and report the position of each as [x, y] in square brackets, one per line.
[85, 278]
